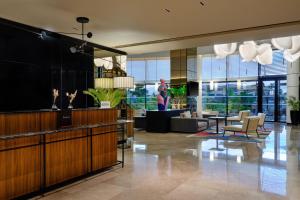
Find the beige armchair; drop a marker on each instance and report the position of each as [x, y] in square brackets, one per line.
[261, 123]
[240, 117]
[249, 125]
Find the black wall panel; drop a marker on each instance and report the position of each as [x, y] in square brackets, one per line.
[30, 67]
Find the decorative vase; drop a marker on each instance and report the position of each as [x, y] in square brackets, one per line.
[54, 107]
[70, 106]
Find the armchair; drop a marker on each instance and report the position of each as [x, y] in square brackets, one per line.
[240, 117]
[250, 124]
[261, 123]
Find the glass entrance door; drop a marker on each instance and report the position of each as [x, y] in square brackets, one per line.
[282, 92]
[268, 104]
[273, 99]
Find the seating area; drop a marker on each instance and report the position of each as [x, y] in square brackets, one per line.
[194, 122]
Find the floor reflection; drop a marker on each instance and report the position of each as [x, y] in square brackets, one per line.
[264, 164]
[174, 166]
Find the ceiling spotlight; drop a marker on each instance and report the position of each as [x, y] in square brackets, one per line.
[89, 34]
[43, 35]
[73, 49]
[167, 10]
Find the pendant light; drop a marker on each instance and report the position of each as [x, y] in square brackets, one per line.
[211, 83]
[239, 82]
[216, 86]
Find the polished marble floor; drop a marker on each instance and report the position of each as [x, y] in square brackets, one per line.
[173, 166]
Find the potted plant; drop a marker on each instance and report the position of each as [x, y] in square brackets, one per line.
[294, 105]
[179, 95]
[99, 94]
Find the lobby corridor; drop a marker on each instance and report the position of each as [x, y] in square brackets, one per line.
[174, 166]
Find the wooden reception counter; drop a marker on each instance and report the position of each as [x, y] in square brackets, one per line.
[36, 154]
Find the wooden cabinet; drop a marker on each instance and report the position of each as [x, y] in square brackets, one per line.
[51, 156]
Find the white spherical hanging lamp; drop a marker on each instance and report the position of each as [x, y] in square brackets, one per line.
[223, 50]
[248, 51]
[282, 43]
[264, 54]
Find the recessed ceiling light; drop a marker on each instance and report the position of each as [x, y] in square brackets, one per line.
[202, 3]
[167, 10]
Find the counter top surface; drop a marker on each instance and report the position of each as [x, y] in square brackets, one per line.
[28, 134]
[50, 110]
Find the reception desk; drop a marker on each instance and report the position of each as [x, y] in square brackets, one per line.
[159, 121]
[36, 154]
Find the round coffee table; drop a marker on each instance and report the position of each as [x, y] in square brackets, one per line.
[217, 122]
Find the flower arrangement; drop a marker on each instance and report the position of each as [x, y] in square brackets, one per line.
[71, 97]
[55, 94]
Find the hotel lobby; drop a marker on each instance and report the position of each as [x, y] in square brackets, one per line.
[150, 99]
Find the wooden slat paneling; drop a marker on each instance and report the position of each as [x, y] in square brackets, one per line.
[20, 172]
[104, 150]
[67, 159]
[129, 126]
[48, 120]
[21, 123]
[19, 142]
[79, 117]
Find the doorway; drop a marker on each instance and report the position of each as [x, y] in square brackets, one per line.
[272, 101]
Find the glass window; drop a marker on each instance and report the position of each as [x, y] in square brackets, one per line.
[239, 69]
[219, 68]
[146, 73]
[151, 70]
[206, 68]
[242, 99]
[151, 97]
[163, 69]
[138, 70]
[129, 68]
[214, 99]
[249, 69]
[234, 65]
[136, 96]
[278, 67]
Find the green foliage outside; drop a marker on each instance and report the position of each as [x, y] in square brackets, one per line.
[136, 98]
[100, 94]
[237, 100]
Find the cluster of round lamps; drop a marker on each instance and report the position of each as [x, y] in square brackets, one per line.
[262, 53]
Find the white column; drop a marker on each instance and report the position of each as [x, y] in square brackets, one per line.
[293, 72]
[199, 75]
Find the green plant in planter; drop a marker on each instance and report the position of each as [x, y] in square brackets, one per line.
[178, 94]
[100, 94]
[293, 103]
